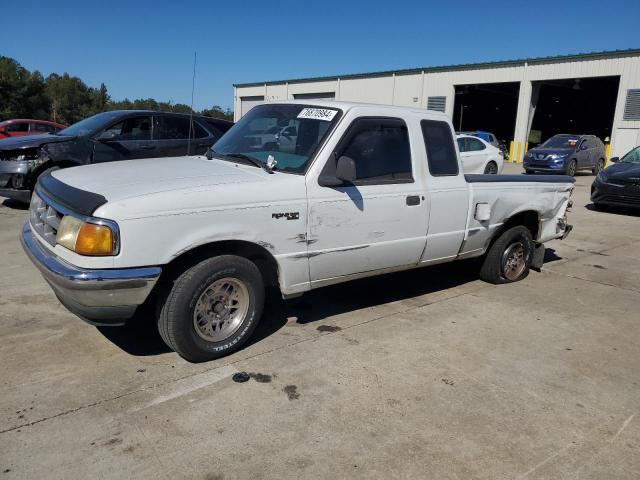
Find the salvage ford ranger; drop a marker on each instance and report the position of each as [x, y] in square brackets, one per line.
[359, 190]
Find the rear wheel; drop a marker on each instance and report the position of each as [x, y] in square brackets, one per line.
[572, 166]
[599, 166]
[509, 258]
[491, 168]
[212, 308]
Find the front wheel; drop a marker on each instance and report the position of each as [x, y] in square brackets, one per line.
[572, 166]
[212, 308]
[509, 258]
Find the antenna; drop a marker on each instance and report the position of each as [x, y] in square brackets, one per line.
[193, 86]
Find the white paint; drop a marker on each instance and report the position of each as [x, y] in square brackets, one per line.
[187, 385]
[168, 206]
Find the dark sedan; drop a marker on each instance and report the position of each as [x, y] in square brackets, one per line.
[105, 137]
[619, 184]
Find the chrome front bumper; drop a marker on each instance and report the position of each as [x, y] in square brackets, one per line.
[100, 297]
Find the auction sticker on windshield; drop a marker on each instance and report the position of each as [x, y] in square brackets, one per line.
[318, 114]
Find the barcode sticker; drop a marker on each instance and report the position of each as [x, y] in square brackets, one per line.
[318, 114]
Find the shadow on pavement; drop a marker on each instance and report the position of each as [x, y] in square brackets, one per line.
[627, 211]
[15, 205]
[140, 335]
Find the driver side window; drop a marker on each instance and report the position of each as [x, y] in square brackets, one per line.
[380, 149]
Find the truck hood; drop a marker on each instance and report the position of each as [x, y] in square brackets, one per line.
[31, 141]
[134, 178]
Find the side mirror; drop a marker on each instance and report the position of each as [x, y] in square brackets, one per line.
[106, 136]
[346, 169]
[583, 146]
[614, 159]
[345, 173]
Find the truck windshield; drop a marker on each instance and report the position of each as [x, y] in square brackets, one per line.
[561, 141]
[289, 133]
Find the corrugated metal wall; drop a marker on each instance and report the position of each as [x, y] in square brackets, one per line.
[413, 89]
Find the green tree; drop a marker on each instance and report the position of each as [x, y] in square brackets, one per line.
[22, 93]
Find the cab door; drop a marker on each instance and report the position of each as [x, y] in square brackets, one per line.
[380, 220]
[448, 193]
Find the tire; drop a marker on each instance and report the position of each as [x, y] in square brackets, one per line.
[497, 261]
[572, 167]
[199, 325]
[491, 168]
[599, 166]
[528, 171]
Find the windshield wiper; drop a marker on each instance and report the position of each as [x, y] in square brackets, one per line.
[249, 159]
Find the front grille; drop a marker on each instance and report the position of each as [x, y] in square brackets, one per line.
[626, 199]
[44, 219]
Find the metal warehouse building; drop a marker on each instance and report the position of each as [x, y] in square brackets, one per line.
[523, 102]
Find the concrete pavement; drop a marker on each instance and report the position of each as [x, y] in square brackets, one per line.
[423, 374]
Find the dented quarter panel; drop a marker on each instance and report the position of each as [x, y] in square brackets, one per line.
[548, 200]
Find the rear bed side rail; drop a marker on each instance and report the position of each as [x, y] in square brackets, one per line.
[480, 178]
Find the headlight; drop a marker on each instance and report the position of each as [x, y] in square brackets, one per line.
[557, 156]
[84, 238]
[603, 176]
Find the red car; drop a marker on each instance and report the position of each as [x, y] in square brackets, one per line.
[25, 126]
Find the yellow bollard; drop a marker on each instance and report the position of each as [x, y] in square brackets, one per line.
[607, 154]
[511, 159]
[519, 151]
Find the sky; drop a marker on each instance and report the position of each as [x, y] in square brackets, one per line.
[145, 49]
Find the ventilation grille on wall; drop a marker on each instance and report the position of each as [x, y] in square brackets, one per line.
[632, 105]
[436, 103]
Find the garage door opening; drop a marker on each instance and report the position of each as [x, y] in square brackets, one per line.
[491, 107]
[577, 106]
[247, 103]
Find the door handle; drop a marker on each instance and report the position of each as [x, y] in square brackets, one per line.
[413, 200]
[147, 147]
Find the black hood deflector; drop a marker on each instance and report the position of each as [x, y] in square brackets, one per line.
[74, 199]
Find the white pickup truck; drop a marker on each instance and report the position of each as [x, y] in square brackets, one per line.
[368, 189]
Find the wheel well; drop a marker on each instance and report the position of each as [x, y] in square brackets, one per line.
[528, 218]
[258, 254]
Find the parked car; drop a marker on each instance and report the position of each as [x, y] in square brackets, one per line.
[20, 127]
[566, 154]
[486, 136]
[206, 233]
[619, 183]
[105, 137]
[478, 156]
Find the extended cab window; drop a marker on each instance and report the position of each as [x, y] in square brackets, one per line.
[138, 128]
[380, 148]
[441, 154]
